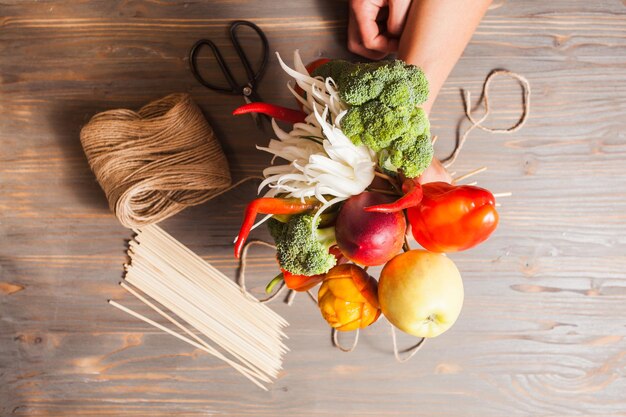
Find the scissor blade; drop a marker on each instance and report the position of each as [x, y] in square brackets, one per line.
[258, 118]
[257, 121]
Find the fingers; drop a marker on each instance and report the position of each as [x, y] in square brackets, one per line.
[371, 35]
[365, 36]
[398, 11]
[355, 44]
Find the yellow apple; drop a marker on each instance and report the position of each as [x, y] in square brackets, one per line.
[421, 293]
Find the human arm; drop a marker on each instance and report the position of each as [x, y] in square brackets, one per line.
[431, 34]
[435, 35]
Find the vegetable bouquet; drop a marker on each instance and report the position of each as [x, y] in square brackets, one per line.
[356, 167]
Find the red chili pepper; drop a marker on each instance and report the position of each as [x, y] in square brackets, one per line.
[270, 206]
[277, 112]
[411, 198]
[453, 218]
[334, 250]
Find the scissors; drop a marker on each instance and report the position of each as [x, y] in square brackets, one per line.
[248, 89]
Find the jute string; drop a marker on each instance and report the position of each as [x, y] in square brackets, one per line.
[467, 101]
[157, 161]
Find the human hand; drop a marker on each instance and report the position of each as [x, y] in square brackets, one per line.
[375, 26]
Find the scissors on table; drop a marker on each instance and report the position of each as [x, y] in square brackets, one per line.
[248, 89]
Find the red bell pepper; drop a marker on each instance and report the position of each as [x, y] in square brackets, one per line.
[411, 198]
[271, 206]
[312, 66]
[453, 218]
[277, 112]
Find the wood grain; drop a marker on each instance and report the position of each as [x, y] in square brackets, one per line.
[543, 330]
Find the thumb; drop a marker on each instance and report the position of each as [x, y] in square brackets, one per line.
[398, 10]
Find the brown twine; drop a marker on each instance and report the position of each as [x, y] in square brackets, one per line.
[154, 163]
[467, 100]
[237, 184]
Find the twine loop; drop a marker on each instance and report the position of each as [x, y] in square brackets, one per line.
[241, 272]
[467, 101]
[157, 161]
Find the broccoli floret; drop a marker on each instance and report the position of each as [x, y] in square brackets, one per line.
[301, 247]
[383, 99]
[276, 228]
[397, 95]
[412, 154]
[360, 85]
[392, 82]
[418, 125]
[382, 124]
[352, 125]
[337, 69]
[413, 159]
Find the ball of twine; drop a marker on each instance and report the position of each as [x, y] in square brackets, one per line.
[154, 163]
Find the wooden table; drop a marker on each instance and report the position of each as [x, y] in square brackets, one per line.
[543, 328]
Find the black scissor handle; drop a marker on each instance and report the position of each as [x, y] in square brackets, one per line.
[253, 76]
[193, 59]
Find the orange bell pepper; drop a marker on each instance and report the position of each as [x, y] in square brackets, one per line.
[453, 218]
[348, 298]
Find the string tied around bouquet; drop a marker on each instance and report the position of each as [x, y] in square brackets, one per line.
[334, 335]
[157, 161]
[467, 101]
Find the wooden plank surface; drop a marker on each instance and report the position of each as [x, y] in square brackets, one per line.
[543, 328]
